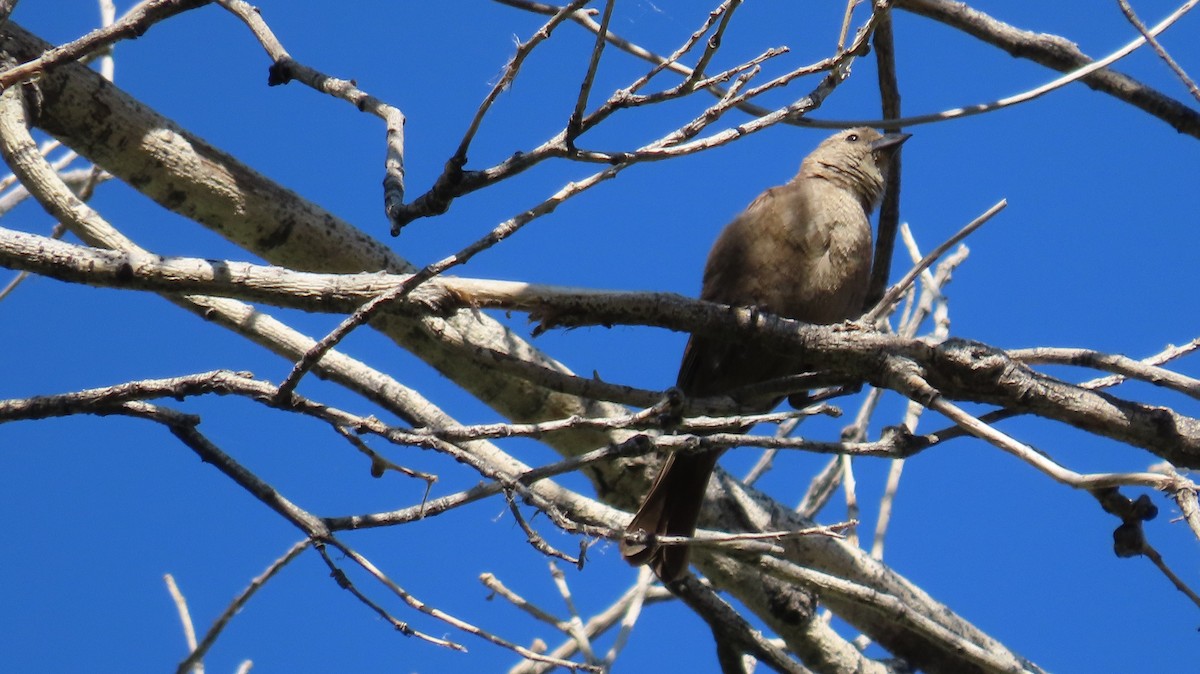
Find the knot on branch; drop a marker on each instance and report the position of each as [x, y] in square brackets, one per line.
[436, 300]
[973, 364]
[439, 197]
[902, 441]
[1128, 539]
[280, 72]
[672, 409]
[983, 359]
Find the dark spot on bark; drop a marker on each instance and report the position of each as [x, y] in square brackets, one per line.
[174, 199]
[279, 73]
[789, 604]
[277, 237]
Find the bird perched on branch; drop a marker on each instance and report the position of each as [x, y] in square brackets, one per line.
[801, 250]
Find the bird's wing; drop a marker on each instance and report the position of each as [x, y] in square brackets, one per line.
[744, 268]
[702, 368]
[783, 257]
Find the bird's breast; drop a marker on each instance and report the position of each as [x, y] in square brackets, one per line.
[821, 264]
[801, 250]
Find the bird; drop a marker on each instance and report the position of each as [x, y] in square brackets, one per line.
[800, 250]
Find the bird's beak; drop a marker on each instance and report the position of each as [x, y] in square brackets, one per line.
[890, 142]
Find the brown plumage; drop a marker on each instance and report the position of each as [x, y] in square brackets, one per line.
[800, 250]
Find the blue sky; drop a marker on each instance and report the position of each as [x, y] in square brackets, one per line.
[1096, 249]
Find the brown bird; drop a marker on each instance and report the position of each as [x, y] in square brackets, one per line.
[800, 250]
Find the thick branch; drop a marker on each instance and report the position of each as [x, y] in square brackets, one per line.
[959, 369]
[188, 176]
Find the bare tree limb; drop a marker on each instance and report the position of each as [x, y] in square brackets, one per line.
[210, 637]
[198, 181]
[130, 26]
[889, 209]
[967, 370]
[730, 630]
[1159, 49]
[1059, 54]
[284, 69]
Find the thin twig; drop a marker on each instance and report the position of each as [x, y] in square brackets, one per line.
[1059, 54]
[1159, 49]
[820, 489]
[886, 501]
[445, 617]
[1162, 357]
[621, 612]
[510, 73]
[210, 637]
[574, 124]
[922, 393]
[628, 613]
[379, 464]
[535, 539]
[575, 627]
[661, 64]
[931, 293]
[850, 491]
[725, 10]
[846, 18]
[1114, 363]
[400, 626]
[729, 628]
[285, 69]
[893, 294]
[760, 541]
[825, 483]
[108, 16]
[491, 582]
[447, 185]
[1046, 49]
[130, 26]
[1154, 556]
[247, 480]
[185, 618]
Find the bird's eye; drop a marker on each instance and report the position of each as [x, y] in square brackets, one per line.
[852, 137]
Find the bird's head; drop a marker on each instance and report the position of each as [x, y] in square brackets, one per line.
[856, 159]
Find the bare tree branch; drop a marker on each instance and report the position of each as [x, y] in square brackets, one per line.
[965, 369]
[284, 69]
[187, 175]
[790, 572]
[1060, 54]
[1159, 49]
[129, 27]
[210, 637]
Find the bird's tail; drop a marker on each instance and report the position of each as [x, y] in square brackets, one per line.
[671, 508]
